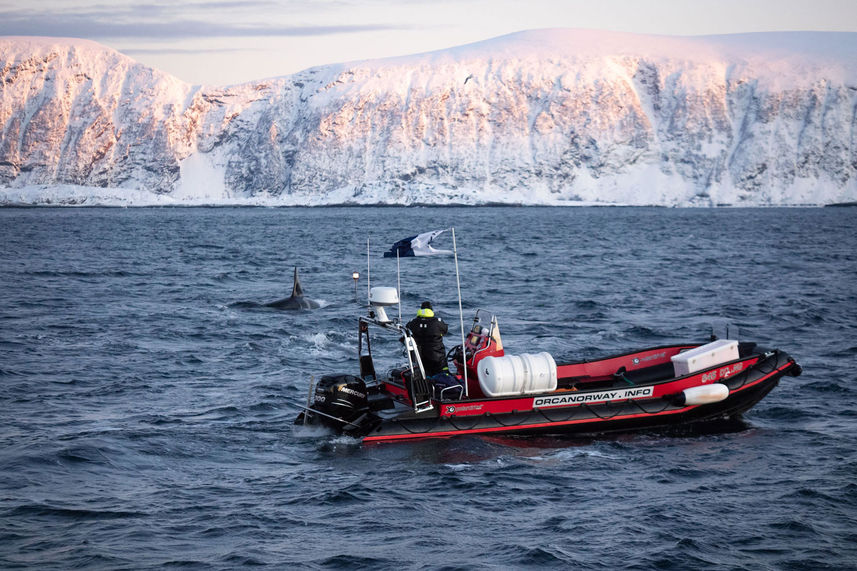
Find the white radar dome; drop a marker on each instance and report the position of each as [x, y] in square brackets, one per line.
[381, 297]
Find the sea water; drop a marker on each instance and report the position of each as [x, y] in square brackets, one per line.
[148, 395]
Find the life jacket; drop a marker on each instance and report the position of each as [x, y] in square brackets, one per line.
[428, 332]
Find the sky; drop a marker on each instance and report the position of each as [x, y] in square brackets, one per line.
[223, 42]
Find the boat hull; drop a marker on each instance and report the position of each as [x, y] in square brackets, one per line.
[745, 390]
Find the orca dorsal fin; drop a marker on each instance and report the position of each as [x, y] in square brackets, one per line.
[297, 290]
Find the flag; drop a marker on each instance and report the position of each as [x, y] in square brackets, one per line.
[419, 245]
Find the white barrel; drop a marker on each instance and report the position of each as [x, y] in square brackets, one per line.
[705, 394]
[517, 374]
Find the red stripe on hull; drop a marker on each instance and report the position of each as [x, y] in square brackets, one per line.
[445, 434]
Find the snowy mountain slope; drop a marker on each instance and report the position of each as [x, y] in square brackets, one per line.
[547, 116]
[77, 112]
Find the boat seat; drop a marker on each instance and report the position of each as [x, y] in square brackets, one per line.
[455, 392]
[447, 387]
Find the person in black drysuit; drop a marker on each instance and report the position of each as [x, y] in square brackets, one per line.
[428, 331]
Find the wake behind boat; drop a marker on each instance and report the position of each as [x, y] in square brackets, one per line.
[492, 392]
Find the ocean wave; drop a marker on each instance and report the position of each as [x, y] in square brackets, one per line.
[150, 423]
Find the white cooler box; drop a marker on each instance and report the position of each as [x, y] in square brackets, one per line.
[705, 356]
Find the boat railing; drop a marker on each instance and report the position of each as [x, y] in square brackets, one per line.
[483, 341]
[416, 384]
[418, 387]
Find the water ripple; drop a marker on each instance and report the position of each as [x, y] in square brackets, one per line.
[148, 394]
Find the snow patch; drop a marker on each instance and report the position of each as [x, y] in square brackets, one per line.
[70, 195]
[202, 179]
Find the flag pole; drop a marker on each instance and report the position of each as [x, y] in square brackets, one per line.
[368, 274]
[460, 312]
[399, 285]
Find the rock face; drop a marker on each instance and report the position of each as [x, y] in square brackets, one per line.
[76, 112]
[548, 116]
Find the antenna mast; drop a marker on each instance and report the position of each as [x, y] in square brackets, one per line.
[460, 311]
[399, 284]
[368, 273]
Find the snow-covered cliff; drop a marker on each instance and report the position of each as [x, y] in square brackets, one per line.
[547, 116]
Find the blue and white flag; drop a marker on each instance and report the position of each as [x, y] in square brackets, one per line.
[419, 245]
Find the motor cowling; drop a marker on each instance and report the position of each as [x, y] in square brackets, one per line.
[342, 397]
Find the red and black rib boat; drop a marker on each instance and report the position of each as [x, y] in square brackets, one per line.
[492, 392]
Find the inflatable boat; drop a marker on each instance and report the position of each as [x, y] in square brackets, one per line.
[488, 391]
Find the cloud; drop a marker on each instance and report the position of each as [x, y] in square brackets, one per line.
[171, 21]
[135, 52]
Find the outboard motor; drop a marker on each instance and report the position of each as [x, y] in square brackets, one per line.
[341, 397]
